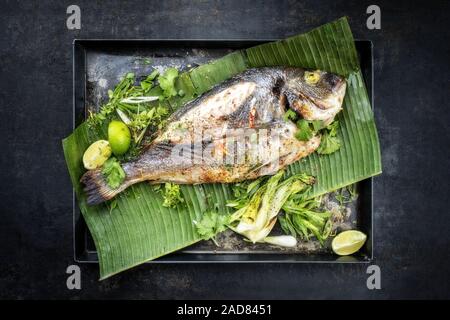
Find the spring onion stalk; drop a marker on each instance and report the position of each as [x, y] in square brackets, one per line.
[137, 100]
[282, 241]
[123, 117]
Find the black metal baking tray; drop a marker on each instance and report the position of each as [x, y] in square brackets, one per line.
[97, 64]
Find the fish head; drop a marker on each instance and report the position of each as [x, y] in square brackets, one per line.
[314, 94]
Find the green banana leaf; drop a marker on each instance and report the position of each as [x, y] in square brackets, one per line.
[140, 229]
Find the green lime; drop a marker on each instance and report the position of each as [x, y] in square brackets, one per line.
[348, 242]
[119, 137]
[96, 154]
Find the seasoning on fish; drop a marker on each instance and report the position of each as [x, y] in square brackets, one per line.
[234, 132]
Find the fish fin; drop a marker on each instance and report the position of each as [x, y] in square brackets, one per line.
[96, 188]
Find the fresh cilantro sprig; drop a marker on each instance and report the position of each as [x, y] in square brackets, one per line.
[308, 129]
[304, 132]
[330, 142]
[290, 115]
[211, 224]
[113, 173]
[167, 82]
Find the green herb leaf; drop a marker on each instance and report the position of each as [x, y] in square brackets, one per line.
[211, 224]
[328, 144]
[333, 127]
[290, 115]
[113, 173]
[167, 82]
[172, 195]
[146, 85]
[317, 125]
[304, 132]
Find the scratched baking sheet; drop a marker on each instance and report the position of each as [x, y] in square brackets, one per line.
[98, 66]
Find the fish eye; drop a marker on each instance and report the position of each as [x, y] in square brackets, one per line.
[311, 77]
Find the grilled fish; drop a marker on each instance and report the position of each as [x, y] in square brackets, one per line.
[234, 132]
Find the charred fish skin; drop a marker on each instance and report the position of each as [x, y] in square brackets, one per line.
[234, 132]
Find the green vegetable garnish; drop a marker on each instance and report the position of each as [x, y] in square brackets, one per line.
[329, 142]
[304, 218]
[259, 201]
[260, 205]
[211, 224]
[172, 195]
[141, 120]
[147, 83]
[122, 90]
[304, 132]
[113, 173]
[317, 125]
[135, 105]
[346, 195]
[333, 127]
[290, 115]
[167, 82]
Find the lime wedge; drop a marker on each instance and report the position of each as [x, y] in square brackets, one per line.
[96, 154]
[348, 242]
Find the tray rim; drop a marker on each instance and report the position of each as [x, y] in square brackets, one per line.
[163, 260]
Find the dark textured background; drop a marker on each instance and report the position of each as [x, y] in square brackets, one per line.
[411, 217]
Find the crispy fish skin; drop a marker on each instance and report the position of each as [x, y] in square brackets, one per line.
[234, 132]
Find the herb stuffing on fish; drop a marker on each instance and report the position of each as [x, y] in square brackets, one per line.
[239, 130]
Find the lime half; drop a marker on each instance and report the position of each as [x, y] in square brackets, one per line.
[96, 154]
[348, 242]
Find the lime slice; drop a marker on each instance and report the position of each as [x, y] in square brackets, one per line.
[96, 154]
[348, 242]
[119, 137]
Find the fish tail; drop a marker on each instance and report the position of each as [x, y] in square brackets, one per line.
[96, 188]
